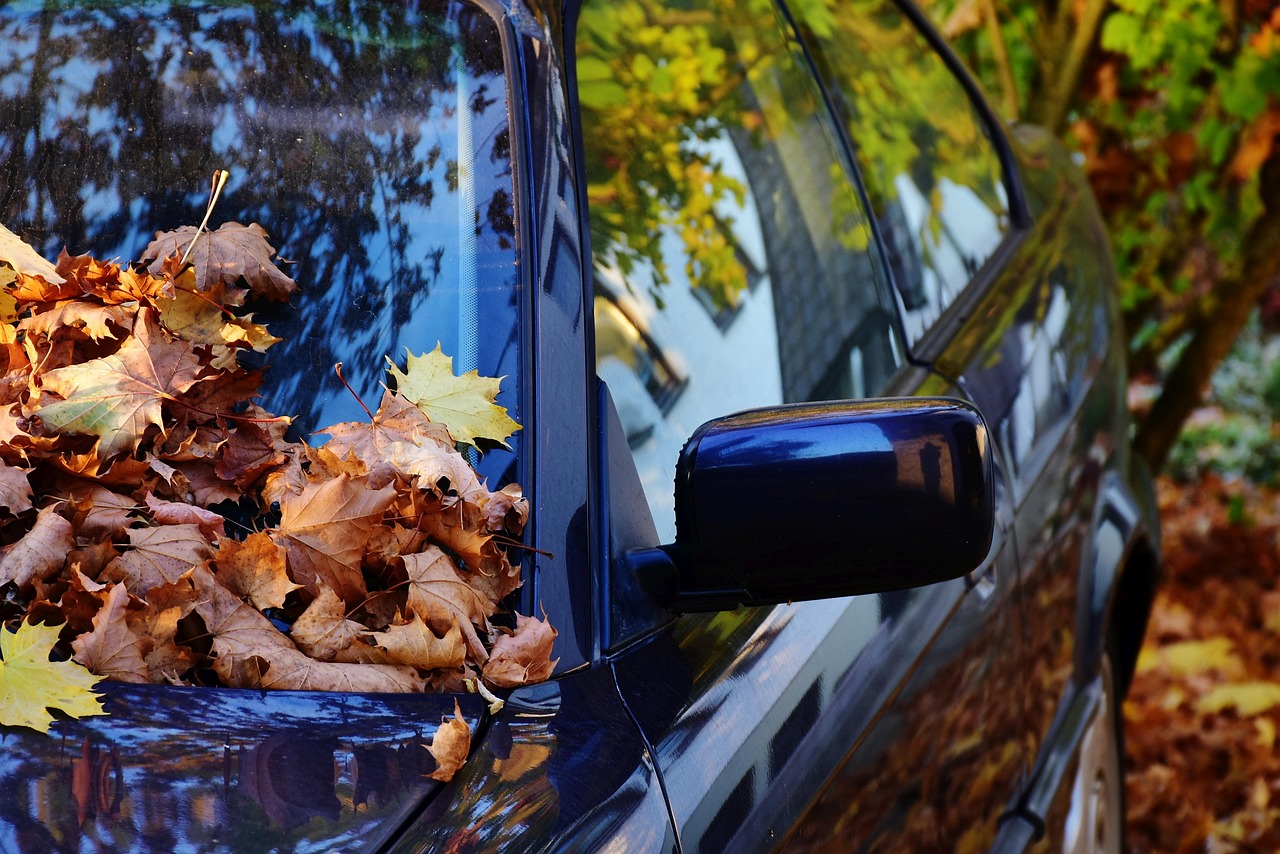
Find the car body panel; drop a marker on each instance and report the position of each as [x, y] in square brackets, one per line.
[223, 770]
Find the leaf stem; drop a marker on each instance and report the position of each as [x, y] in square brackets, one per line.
[337, 369]
[219, 181]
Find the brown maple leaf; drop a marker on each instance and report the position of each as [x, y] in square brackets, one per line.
[450, 745]
[396, 422]
[15, 489]
[442, 596]
[97, 321]
[324, 530]
[100, 513]
[324, 632]
[166, 606]
[159, 555]
[414, 643]
[254, 569]
[523, 656]
[116, 397]
[113, 649]
[163, 512]
[224, 256]
[41, 553]
[252, 450]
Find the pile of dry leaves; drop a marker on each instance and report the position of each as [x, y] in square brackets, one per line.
[1203, 713]
[370, 563]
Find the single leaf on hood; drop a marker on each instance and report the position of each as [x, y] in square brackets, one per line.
[232, 252]
[523, 656]
[450, 745]
[254, 569]
[439, 594]
[16, 252]
[324, 530]
[159, 555]
[15, 489]
[113, 649]
[465, 404]
[116, 397]
[41, 553]
[30, 683]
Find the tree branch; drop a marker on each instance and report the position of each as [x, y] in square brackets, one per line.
[1185, 386]
[1004, 70]
[1063, 91]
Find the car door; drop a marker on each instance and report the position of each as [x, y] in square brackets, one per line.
[1007, 292]
[735, 266]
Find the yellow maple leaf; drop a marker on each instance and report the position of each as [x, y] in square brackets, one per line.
[31, 684]
[464, 405]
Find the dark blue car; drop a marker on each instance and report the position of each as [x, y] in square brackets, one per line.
[822, 389]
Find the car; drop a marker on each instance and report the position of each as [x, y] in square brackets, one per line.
[822, 386]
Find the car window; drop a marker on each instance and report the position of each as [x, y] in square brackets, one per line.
[732, 257]
[932, 175]
[370, 141]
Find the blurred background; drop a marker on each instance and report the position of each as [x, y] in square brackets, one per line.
[1172, 109]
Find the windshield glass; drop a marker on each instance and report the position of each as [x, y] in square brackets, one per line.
[370, 140]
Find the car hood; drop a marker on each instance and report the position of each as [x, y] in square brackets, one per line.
[223, 770]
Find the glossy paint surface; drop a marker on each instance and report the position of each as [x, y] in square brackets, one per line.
[222, 770]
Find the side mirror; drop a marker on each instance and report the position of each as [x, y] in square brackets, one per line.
[821, 500]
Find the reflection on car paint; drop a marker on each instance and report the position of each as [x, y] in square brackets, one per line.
[222, 770]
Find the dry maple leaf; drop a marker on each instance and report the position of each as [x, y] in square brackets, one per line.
[440, 595]
[324, 530]
[97, 321]
[397, 422]
[30, 683]
[15, 489]
[116, 397]
[523, 656]
[324, 632]
[41, 553]
[24, 260]
[254, 569]
[450, 745]
[100, 513]
[200, 316]
[414, 643]
[232, 252]
[113, 649]
[465, 404]
[159, 555]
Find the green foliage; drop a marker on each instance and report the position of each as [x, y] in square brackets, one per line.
[1238, 433]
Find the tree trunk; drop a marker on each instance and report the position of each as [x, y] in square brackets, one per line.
[1186, 384]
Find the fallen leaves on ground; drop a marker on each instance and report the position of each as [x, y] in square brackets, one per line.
[1203, 712]
[369, 563]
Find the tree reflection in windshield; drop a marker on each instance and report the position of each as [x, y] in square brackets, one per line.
[370, 140]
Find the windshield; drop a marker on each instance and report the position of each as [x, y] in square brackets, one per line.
[370, 140]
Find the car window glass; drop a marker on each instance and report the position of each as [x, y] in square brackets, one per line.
[731, 253]
[370, 141]
[932, 175]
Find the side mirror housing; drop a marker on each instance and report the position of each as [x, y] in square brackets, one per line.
[820, 500]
